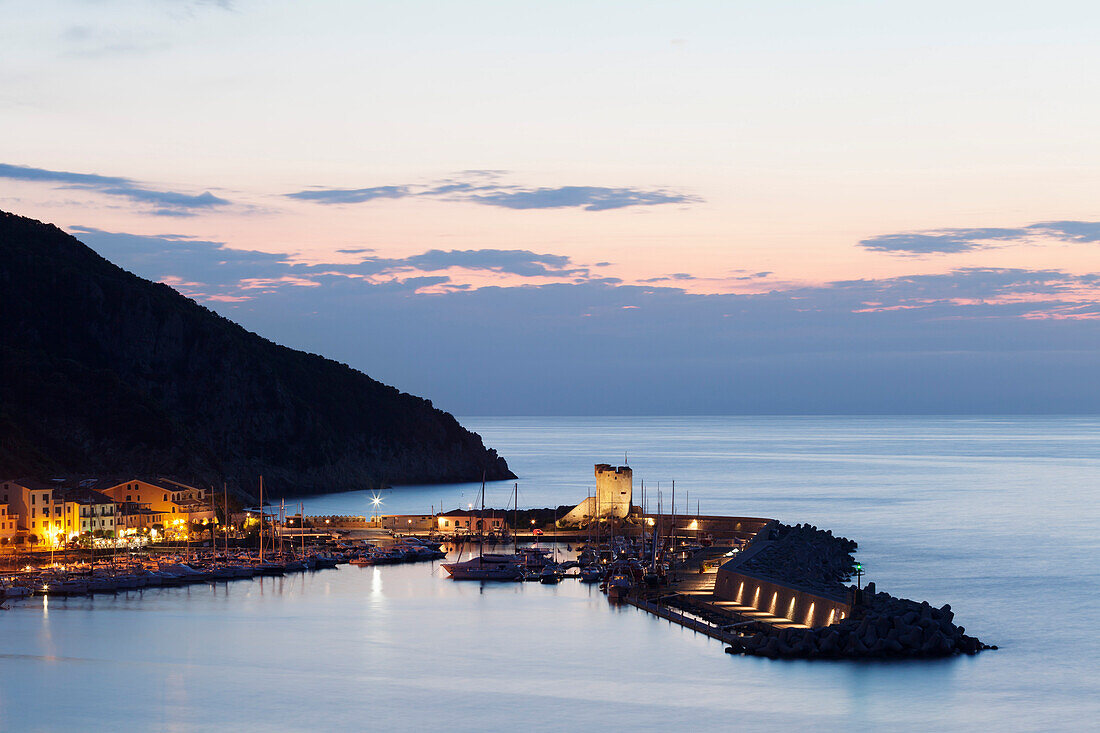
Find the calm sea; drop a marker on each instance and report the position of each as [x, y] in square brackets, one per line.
[997, 516]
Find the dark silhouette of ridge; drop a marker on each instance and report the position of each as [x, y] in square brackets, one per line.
[104, 372]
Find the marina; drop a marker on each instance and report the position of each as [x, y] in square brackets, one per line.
[793, 594]
[196, 655]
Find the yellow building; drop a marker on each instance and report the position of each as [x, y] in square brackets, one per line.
[174, 500]
[40, 515]
[8, 525]
[51, 513]
[92, 512]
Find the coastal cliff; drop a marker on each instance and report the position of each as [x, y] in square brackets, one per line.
[103, 372]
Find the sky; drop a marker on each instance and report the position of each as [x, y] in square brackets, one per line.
[594, 208]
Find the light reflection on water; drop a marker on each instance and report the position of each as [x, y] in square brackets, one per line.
[995, 515]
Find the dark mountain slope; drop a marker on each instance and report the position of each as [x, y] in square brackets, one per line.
[104, 372]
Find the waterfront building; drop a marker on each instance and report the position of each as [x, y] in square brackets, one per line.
[179, 503]
[9, 528]
[466, 520]
[41, 515]
[134, 518]
[52, 513]
[87, 511]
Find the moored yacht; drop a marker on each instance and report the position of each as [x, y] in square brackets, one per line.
[489, 566]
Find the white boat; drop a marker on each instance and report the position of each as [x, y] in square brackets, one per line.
[488, 566]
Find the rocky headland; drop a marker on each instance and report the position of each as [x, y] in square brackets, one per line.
[105, 373]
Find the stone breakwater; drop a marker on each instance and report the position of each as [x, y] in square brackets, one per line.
[805, 555]
[881, 626]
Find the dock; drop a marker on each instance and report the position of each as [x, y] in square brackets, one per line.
[690, 602]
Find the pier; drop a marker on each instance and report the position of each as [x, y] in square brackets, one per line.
[689, 600]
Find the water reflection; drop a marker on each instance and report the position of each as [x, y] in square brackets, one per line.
[978, 513]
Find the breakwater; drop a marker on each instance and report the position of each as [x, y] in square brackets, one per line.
[881, 626]
[789, 595]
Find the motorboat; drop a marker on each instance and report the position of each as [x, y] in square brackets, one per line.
[591, 574]
[550, 575]
[325, 561]
[618, 585]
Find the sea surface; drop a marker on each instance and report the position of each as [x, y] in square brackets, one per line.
[999, 516]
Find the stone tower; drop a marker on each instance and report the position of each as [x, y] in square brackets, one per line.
[614, 490]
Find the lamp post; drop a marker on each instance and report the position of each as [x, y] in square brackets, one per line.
[859, 574]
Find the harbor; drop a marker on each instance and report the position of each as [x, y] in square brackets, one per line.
[344, 637]
[755, 584]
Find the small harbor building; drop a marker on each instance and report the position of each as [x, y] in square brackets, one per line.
[468, 520]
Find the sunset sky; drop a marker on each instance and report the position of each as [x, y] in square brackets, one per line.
[593, 208]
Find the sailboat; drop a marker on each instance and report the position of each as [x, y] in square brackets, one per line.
[491, 566]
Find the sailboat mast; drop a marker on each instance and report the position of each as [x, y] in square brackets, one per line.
[481, 522]
[261, 518]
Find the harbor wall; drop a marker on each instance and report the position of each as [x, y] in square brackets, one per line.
[338, 521]
[780, 599]
[739, 528]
